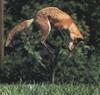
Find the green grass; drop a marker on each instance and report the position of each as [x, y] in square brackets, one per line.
[49, 89]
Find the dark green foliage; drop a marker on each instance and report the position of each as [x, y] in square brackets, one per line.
[27, 60]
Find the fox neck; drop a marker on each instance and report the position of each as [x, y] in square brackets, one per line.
[74, 32]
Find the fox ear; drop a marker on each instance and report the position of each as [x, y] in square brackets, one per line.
[80, 42]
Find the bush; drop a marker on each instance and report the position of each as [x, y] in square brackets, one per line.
[27, 60]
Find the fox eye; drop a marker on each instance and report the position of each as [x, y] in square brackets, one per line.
[75, 41]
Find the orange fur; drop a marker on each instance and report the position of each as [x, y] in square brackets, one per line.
[43, 18]
[16, 29]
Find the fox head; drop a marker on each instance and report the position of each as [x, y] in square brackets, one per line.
[74, 43]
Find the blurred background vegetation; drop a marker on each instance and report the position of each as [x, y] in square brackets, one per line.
[27, 60]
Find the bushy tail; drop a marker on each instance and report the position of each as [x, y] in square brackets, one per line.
[18, 28]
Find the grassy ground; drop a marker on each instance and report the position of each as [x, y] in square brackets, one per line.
[49, 89]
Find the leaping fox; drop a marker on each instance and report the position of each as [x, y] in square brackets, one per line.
[44, 18]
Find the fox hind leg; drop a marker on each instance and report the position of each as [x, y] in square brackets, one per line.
[45, 34]
[44, 40]
[46, 28]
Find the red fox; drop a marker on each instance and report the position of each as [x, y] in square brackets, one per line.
[44, 18]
